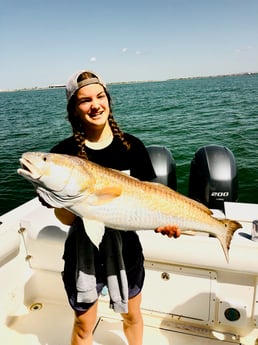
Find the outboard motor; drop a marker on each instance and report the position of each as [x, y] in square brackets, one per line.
[164, 165]
[213, 176]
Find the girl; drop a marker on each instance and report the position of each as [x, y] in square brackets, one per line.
[97, 137]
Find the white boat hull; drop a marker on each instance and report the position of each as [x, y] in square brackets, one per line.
[190, 291]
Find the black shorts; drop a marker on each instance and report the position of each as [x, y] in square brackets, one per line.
[132, 256]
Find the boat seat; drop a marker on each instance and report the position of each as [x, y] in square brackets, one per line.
[44, 240]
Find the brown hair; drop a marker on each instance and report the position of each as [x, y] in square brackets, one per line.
[78, 132]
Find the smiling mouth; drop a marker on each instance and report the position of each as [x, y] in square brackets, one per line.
[96, 114]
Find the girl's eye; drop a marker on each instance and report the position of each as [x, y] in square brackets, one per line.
[84, 100]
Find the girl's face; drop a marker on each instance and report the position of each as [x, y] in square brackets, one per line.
[92, 106]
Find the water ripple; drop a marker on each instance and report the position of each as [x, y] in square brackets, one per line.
[182, 115]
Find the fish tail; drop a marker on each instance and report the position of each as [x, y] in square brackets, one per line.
[230, 227]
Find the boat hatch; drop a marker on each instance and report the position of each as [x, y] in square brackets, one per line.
[184, 292]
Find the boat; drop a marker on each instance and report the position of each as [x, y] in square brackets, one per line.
[191, 293]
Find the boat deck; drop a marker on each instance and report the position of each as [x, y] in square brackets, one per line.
[51, 324]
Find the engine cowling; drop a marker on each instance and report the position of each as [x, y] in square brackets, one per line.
[164, 165]
[213, 176]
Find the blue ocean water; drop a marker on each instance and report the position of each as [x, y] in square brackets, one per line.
[182, 115]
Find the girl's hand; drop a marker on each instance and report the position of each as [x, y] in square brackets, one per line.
[169, 230]
[66, 217]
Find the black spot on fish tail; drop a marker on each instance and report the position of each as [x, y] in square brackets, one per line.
[230, 227]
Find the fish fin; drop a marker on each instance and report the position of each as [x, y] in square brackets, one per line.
[230, 227]
[94, 229]
[104, 195]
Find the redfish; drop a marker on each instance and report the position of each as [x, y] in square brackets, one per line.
[116, 200]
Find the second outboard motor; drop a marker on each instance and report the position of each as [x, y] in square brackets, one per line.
[164, 165]
[213, 176]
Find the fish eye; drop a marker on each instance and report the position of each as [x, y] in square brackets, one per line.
[44, 158]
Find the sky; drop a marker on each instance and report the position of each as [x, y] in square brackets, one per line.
[43, 42]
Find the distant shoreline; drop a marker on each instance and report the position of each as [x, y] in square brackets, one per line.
[135, 81]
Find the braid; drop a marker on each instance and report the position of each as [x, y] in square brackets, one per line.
[80, 139]
[78, 133]
[117, 132]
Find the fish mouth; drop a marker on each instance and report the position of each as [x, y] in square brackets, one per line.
[28, 170]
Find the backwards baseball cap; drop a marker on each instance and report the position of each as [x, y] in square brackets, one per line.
[73, 85]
